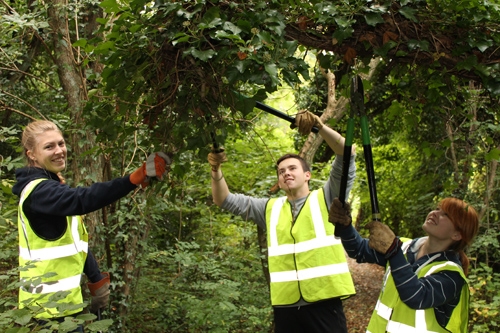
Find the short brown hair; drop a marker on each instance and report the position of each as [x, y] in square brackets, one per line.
[303, 162]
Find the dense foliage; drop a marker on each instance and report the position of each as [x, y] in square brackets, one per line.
[123, 79]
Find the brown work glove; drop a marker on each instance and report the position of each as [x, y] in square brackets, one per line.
[305, 121]
[100, 293]
[340, 214]
[382, 239]
[215, 159]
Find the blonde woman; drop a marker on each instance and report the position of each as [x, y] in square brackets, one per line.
[53, 242]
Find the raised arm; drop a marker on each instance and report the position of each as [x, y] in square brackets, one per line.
[334, 139]
[220, 190]
[305, 121]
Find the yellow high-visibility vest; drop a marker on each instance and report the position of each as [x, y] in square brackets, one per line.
[50, 267]
[305, 259]
[392, 315]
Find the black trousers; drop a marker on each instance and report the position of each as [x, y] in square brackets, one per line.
[321, 317]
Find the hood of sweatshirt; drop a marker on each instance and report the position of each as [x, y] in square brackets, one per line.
[27, 174]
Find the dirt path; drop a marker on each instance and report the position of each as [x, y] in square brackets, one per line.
[368, 282]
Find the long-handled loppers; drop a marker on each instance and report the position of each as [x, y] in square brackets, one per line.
[358, 108]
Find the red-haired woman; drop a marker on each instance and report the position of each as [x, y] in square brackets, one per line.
[425, 287]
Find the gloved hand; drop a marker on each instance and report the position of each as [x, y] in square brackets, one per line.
[382, 239]
[215, 159]
[155, 166]
[339, 214]
[100, 293]
[305, 121]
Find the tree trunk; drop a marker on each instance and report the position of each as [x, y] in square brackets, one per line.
[73, 84]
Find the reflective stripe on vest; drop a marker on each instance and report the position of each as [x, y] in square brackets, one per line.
[52, 266]
[393, 316]
[305, 259]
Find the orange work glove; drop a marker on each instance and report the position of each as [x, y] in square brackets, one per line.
[155, 166]
[100, 293]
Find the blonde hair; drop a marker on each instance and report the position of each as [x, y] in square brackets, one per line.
[30, 138]
[466, 221]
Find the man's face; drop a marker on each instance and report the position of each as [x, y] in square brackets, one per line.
[291, 175]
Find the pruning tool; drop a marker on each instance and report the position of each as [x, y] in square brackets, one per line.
[280, 114]
[358, 109]
[216, 148]
[275, 112]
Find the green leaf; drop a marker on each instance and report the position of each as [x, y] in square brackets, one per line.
[81, 42]
[482, 44]
[231, 27]
[385, 48]
[68, 325]
[341, 34]
[278, 28]
[100, 325]
[493, 87]
[395, 109]
[86, 316]
[265, 37]
[221, 34]
[409, 13]
[135, 27]
[22, 316]
[202, 55]
[373, 18]
[212, 24]
[180, 38]
[493, 155]
[110, 6]
[343, 22]
[18, 330]
[291, 47]
[422, 44]
[105, 46]
[242, 65]
[271, 69]
[468, 64]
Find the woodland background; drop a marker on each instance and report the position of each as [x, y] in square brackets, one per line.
[126, 78]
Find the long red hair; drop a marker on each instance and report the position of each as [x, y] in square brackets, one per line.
[465, 219]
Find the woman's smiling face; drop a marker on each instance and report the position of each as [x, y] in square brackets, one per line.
[50, 152]
[439, 225]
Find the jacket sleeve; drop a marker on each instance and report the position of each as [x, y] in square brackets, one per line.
[357, 248]
[332, 185]
[249, 208]
[54, 198]
[91, 268]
